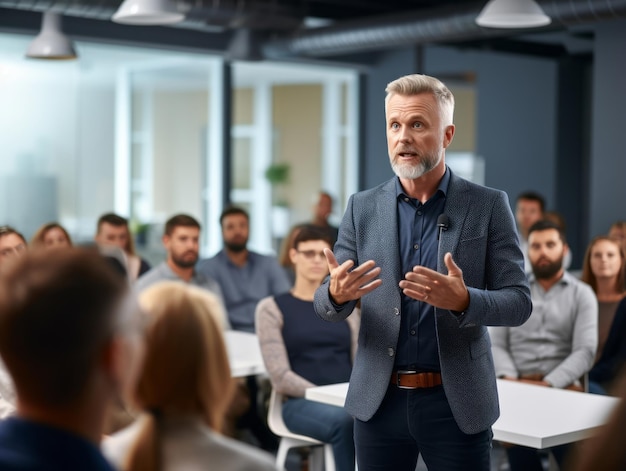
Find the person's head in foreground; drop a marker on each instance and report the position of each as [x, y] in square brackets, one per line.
[185, 372]
[70, 338]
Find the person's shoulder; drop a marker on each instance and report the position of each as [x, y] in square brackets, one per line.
[207, 265]
[461, 183]
[238, 456]
[115, 447]
[579, 286]
[150, 277]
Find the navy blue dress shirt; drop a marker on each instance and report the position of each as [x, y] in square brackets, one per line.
[417, 237]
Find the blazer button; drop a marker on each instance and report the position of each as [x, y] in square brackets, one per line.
[396, 311]
[328, 313]
[390, 351]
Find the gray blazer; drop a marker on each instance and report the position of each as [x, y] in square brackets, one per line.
[483, 241]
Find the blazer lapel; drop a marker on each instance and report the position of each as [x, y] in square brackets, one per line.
[458, 203]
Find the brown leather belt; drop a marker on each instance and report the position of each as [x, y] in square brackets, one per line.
[406, 379]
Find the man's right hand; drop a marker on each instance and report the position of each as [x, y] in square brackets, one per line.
[347, 284]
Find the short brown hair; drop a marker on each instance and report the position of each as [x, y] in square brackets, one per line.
[57, 310]
[232, 210]
[180, 220]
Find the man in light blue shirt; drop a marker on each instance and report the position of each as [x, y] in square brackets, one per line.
[245, 277]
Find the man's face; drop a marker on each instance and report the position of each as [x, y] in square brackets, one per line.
[235, 232]
[416, 135]
[182, 246]
[108, 234]
[527, 212]
[11, 245]
[545, 252]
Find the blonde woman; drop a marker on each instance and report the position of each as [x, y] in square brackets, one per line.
[603, 270]
[51, 235]
[183, 390]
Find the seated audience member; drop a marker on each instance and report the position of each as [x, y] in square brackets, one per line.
[603, 270]
[51, 235]
[529, 208]
[70, 337]
[300, 350]
[184, 389]
[12, 244]
[113, 230]
[321, 212]
[181, 239]
[617, 231]
[284, 258]
[559, 220]
[557, 344]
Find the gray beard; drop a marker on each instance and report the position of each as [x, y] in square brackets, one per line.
[412, 172]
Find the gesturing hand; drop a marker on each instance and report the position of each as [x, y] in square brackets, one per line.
[443, 291]
[348, 285]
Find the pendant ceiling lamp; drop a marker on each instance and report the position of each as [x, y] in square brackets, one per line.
[147, 12]
[51, 43]
[512, 14]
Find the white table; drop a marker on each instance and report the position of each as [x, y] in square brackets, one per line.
[532, 416]
[244, 354]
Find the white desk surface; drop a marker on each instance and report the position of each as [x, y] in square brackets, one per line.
[532, 416]
[244, 354]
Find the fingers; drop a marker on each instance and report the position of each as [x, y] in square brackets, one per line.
[348, 284]
[453, 268]
[330, 259]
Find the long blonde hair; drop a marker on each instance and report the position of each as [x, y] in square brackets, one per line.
[185, 371]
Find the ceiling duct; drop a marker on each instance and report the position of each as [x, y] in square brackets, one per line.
[442, 25]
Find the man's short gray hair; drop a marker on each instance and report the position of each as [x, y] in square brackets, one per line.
[415, 84]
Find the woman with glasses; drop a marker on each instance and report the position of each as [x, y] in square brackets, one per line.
[300, 350]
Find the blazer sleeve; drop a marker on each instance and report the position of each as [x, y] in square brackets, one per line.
[505, 298]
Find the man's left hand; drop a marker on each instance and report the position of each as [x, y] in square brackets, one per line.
[442, 291]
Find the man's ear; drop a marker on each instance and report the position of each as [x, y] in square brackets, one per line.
[448, 135]
[292, 255]
[166, 241]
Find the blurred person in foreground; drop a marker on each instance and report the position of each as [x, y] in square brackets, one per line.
[184, 389]
[434, 259]
[70, 337]
[51, 235]
[300, 350]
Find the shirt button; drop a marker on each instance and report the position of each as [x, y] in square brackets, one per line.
[416, 246]
[396, 311]
[412, 332]
[406, 200]
[419, 213]
[390, 351]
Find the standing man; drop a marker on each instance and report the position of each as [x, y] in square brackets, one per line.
[245, 277]
[529, 208]
[434, 259]
[557, 345]
[181, 239]
[71, 338]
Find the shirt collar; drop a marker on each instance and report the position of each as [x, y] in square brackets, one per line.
[442, 188]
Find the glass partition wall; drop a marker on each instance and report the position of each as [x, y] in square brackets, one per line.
[139, 132]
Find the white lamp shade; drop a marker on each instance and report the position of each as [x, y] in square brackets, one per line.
[51, 43]
[512, 14]
[147, 12]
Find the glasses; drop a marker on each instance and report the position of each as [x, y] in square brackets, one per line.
[310, 254]
[10, 251]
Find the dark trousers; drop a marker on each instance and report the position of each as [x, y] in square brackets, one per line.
[410, 422]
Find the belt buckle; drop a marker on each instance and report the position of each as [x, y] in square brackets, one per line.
[404, 372]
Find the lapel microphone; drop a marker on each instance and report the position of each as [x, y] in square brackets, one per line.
[442, 224]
